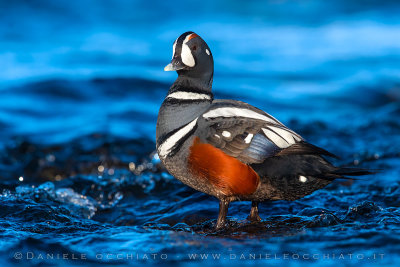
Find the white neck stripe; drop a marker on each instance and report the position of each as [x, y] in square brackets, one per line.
[189, 96]
[165, 148]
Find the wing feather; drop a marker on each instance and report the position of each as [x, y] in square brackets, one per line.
[249, 134]
[245, 132]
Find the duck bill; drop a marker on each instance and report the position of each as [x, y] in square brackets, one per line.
[175, 64]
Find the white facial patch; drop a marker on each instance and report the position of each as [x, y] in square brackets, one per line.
[187, 57]
[226, 134]
[173, 49]
[165, 148]
[207, 51]
[186, 54]
[302, 179]
[248, 138]
[189, 96]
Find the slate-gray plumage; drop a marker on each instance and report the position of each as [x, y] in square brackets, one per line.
[230, 149]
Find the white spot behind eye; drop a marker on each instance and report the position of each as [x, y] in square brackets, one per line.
[207, 51]
[302, 179]
[187, 57]
[226, 134]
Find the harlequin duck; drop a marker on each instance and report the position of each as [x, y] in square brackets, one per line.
[230, 149]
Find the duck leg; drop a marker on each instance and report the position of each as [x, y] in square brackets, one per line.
[254, 217]
[223, 211]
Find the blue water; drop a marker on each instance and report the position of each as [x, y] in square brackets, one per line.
[80, 87]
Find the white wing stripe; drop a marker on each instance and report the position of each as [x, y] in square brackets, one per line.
[285, 134]
[189, 96]
[276, 139]
[237, 112]
[165, 148]
[248, 138]
[302, 179]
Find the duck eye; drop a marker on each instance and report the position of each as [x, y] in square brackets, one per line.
[194, 48]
